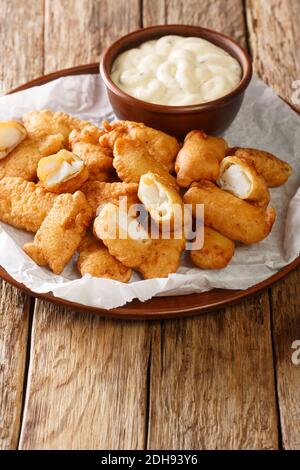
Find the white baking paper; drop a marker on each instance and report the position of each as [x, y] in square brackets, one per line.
[264, 121]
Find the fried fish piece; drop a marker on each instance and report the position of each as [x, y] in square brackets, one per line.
[199, 158]
[99, 193]
[161, 146]
[132, 160]
[232, 217]
[24, 204]
[161, 200]
[98, 159]
[95, 259]
[61, 232]
[240, 178]
[275, 171]
[216, 252]
[131, 244]
[23, 161]
[62, 172]
[12, 133]
[45, 123]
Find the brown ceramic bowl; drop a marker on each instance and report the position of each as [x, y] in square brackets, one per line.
[213, 117]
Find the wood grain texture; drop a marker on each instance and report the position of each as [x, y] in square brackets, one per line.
[14, 320]
[87, 382]
[21, 53]
[286, 330]
[224, 16]
[274, 38]
[87, 376]
[76, 31]
[212, 383]
[21, 60]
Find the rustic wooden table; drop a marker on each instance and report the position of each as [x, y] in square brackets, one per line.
[77, 381]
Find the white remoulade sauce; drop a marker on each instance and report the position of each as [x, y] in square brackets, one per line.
[176, 71]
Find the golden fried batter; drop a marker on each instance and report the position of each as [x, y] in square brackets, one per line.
[99, 193]
[161, 146]
[161, 200]
[216, 252]
[199, 158]
[130, 243]
[275, 171]
[22, 162]
[61, 232]
[12, 133]
[232, 217]
[62, 172]
[132, 160]
[240, 178]
[98, 159]
[23, 204]
[49, 123]
[95, 259]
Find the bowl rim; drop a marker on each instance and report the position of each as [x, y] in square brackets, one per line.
[115, 46]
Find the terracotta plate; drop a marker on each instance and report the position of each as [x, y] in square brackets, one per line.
[158, 307]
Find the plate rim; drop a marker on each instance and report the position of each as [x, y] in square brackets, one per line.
[161, 307]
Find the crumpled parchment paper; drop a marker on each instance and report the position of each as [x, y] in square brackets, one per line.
[264, 121]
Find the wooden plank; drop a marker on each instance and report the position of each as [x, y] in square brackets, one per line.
[87, 376]
[227, 17]
[274, 39]
[87, 382]
[76, 35]
[21, 60]
[212, 383]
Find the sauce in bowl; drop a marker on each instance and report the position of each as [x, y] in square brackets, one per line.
[176, 71]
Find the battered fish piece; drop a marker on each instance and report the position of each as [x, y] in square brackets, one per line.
[95, 259]
[99, 193]
[61, 232]
[216, 253]
[41, 124]
[132, 160]
[130, 243]
[275, 171]
[161, 146]
[240, 178]
[12, 133]
[23, 161]
[232, 217]
[161, 200]
[62, 172]
[199, 158]
[24, 204]
[98, 159]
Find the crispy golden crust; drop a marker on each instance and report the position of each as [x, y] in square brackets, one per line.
[199, 158]
[152, 258]
[46, 123]
[216, 253]
[161, 200]
[95, 259]
[61, 232]
[258, 193]
[229, 215]
[99, 193]
[161, 146]
[98, 159]
[132, 160]
[51, 166]
[23, 204]
[275, 171]
[22, 162]
[12, 133]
